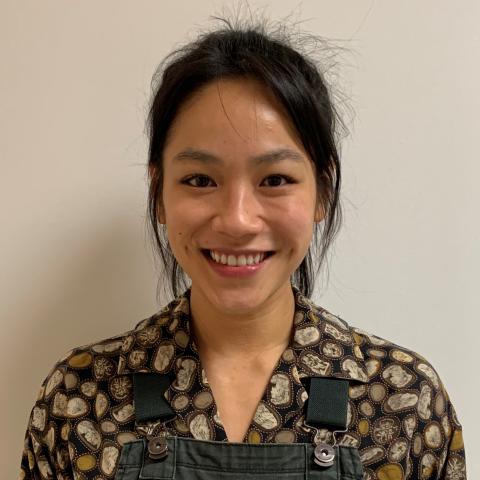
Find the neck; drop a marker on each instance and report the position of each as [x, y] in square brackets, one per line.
[230, 335]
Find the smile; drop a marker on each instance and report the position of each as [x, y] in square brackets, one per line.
[241, 266]
[237, 260]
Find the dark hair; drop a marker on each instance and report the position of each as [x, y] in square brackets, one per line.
[299, 85]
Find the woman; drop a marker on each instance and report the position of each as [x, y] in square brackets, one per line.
[241, 374]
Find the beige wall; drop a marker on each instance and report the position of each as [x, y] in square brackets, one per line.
[75, 266]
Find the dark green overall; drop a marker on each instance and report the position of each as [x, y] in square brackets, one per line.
[171, 457]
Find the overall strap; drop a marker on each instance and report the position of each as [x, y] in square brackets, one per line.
[326, 406]
[148, 390]
[327, 403]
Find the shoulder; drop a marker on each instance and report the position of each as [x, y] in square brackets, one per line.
[398, 366]
[87, 398]
[82, 368]
[411, 385]
[78, 375]
[406, 376]
[403, 410]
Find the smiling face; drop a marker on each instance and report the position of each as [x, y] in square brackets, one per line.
[236, 177]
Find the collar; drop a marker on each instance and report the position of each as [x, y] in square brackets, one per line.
[321, 345]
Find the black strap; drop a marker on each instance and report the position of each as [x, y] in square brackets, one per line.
[327, 403]
[326, 406]
[149, 402]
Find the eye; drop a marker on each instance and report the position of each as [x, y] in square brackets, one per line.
[187, 180]
[286, 177]
[203, 180]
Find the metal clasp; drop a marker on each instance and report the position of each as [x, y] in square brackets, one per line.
[324, 454]
[156, 435]
[157, 447]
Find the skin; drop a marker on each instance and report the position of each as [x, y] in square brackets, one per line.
[240, 325]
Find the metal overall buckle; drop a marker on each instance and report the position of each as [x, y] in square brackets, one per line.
[324, 453]
[157, 440]
[157, 447]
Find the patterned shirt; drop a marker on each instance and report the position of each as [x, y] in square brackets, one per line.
[400, 416]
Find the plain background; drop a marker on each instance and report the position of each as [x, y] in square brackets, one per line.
[76, 265]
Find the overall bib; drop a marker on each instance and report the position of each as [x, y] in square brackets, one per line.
[164, 456]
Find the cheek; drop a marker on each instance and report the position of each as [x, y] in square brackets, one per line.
[296, 223]
[180, 203]
[183, 218]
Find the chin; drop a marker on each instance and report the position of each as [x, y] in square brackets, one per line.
[236, 300]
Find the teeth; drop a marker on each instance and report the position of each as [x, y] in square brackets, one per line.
[233, 261]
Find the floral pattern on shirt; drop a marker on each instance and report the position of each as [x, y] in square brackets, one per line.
[400, 416]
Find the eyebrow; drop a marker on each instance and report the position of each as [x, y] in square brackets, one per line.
[271, 157]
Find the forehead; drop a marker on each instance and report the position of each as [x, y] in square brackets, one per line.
[232, 115]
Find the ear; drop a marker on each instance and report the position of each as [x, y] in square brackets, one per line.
[161, 218]
[319, 213]
[161, 215]
[151, 171]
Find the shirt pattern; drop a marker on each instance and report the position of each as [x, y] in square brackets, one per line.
[400, 416]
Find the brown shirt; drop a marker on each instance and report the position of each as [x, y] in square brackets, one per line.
[399, 414]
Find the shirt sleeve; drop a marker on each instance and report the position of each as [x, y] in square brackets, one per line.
[453, 454]
[45, 453]
[36, 460]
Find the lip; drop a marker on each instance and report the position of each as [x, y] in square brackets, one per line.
[237, 253]
[235, 272]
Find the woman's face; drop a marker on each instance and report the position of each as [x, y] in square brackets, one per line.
[222, 199]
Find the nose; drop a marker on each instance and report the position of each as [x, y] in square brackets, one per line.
[238, 212]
